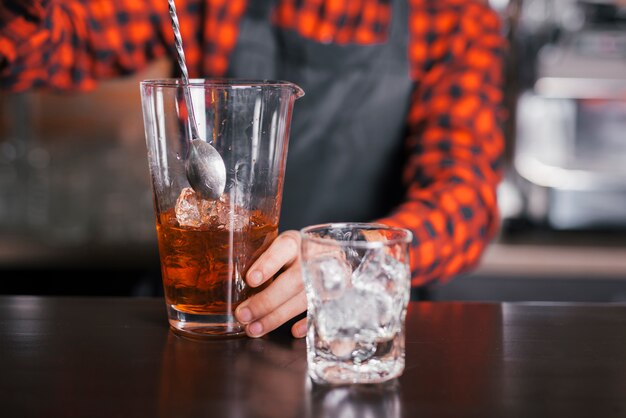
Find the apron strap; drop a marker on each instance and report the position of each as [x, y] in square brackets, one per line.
[260, 9]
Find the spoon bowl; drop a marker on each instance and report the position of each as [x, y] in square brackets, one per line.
[205, 170]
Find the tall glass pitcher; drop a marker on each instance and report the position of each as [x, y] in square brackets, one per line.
[206, 246]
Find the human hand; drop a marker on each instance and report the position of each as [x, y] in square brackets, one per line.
[284, 298]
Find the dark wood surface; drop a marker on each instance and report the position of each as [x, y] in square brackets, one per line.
[115, 357]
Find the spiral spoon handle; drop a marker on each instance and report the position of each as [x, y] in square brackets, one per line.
[180, 55]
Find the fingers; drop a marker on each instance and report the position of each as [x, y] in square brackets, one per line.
[285, 287]
[284, 298]
[299, 329]
[282, 252]
[269, 322]
[280, 301]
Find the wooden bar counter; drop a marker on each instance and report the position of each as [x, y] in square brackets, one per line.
[115, 357]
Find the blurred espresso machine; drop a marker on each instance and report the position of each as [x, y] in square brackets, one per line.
[568, 141]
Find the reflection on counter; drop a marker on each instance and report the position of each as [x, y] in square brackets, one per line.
[326, 401]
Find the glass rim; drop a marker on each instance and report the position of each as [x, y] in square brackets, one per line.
[404, 235]
[222, 83]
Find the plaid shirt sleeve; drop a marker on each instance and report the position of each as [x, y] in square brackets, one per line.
[70, 44]
[455, 139]
[66, 45]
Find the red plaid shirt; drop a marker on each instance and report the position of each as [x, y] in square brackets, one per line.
[455, 51]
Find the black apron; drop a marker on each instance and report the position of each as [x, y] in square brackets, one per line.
[346, 149]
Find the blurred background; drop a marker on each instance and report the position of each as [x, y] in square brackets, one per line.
[76, 214]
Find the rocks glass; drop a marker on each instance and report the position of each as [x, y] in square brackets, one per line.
[357, 282]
